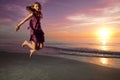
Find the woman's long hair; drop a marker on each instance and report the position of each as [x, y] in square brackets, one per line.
[31, 9]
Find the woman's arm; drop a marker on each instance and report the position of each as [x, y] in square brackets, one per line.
[23, 21]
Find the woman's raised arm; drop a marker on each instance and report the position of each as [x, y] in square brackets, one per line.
[23, 21]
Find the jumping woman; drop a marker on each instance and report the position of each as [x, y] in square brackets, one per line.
[36, 32]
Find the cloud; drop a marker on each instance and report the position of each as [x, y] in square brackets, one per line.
[5, 20]
[14, 12]
[43, 1]
[110, 2]
[107, 15]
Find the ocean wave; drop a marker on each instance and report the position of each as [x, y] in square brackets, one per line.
[86, 52]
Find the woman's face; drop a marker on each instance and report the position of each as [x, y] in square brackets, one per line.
[36, 7]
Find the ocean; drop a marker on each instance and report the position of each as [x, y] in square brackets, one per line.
[85, 49]
[89, 43]
[104, 53]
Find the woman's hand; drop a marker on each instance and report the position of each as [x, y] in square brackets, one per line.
[17, 28]
[23, 21]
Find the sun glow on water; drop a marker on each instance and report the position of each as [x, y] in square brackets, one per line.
[103, 60]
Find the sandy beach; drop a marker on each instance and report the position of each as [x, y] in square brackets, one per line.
[80, 39]
[16, 66]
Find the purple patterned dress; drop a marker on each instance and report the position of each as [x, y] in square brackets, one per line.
[36, 33]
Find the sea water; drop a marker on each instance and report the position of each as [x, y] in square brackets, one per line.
[85, 49]
[89, 43]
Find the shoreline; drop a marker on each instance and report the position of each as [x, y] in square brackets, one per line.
[104, 60]
[16, 66]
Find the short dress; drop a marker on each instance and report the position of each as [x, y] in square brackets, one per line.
[36, 32]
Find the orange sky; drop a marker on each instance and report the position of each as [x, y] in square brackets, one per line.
[66, 18]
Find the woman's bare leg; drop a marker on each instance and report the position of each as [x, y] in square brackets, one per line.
[33, 49]
[24, 43]
[41, 45]
[30, 45]
[31, 52]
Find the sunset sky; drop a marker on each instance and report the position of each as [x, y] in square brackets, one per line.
[63, 18]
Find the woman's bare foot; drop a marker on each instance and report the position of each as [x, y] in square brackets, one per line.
[24, 43]
[31, 52]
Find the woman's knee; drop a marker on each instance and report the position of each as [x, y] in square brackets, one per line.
[38, 46]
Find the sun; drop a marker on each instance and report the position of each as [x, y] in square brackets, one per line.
[104, 34]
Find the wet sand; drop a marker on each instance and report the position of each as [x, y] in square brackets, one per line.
[18, 66]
